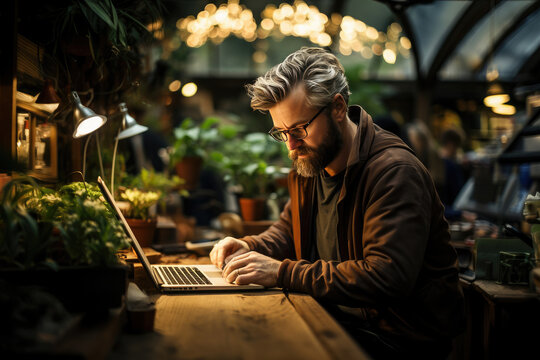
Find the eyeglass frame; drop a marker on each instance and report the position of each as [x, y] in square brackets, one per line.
[303, 127]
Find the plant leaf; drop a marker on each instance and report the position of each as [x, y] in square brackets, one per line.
[126, 14]
[101, 13]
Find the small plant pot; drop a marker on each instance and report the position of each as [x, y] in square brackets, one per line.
[252, 209]
[189, 169]
[143, 230]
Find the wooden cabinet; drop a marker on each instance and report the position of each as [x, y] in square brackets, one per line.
[502, 321]
[36, 142]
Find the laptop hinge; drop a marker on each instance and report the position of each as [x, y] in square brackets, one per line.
[157, 276]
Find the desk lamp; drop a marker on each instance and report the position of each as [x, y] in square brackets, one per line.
[86, 122]
[129, 128]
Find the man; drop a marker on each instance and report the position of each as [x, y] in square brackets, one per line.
[363, 231]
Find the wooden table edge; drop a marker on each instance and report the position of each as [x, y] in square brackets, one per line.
[338, 343]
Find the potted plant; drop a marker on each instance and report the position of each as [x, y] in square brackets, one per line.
[150, 180]
[64, 241]
[190, 148]
[138, 214]
[146, 190]
[245, 164]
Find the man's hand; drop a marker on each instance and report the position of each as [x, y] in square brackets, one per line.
[252, 268]
[226, 249]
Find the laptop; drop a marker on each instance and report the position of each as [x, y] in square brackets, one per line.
[174, 277]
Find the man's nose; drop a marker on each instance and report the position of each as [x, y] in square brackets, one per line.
[293, 143]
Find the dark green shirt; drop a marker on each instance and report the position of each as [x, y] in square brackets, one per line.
[326, 218]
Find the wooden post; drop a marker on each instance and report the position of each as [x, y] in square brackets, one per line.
[8, 77]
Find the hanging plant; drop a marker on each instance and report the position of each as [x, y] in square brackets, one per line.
[93, 43]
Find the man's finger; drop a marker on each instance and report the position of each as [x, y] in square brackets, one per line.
[220, 256]
[232, 276]
[235, 264]
[237, 253]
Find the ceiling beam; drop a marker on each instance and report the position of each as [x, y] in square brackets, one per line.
[507, 33]
[462, 27]
[528, 72]
[398, 7]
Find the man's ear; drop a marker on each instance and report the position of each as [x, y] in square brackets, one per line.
[339, 108]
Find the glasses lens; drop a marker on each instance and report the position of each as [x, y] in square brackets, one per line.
[278, 135]
[298, 133]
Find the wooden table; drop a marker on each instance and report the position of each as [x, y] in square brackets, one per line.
[511, 319]
[503, 320]
[267, 324]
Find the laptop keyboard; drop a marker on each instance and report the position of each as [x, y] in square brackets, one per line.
[185, 275]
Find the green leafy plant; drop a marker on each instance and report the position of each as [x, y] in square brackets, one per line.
[155, 181]
[150, 180]
[192, 139]
[251, 162]
[140, 203]
[122, 24]
[91, 45]
[24, 239]
[71, 226]
[363, 93]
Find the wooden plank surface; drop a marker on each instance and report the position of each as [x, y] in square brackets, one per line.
[330, 334]
[506, 293]
[240, 325]
[257, 325]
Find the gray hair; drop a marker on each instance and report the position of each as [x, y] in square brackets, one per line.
[317, 69]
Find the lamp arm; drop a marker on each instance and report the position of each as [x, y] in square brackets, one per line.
[114, 163]
[99, 156]
[84, 157]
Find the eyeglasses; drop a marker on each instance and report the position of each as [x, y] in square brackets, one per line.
[298, 132]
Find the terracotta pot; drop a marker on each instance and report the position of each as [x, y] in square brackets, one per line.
[189, 169]
[252, 209]
[143, 230]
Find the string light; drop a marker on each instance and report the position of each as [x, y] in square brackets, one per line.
[174, 85]
[215, 24]
[504, 109]
[189, 89]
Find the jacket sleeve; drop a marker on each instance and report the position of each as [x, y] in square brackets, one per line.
[396, 216]
[276, 241]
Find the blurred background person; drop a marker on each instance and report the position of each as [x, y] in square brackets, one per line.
[454, 174]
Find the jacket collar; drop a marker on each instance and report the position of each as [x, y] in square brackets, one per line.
[364, 145]
[364, 135]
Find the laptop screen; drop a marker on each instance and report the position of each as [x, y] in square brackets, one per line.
[136, 246]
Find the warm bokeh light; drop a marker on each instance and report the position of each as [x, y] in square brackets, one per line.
[504, 109]
[267, 24]
[259, 57]
[174, 85]
[405, 42]
[215, 23]
[189, 89]
[156, 28]
[389, 56]
[495, 100]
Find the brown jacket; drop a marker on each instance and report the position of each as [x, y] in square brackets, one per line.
[396, 260]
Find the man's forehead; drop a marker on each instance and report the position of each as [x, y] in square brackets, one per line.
[292, 110]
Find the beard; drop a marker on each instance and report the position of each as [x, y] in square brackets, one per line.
[318, 158]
